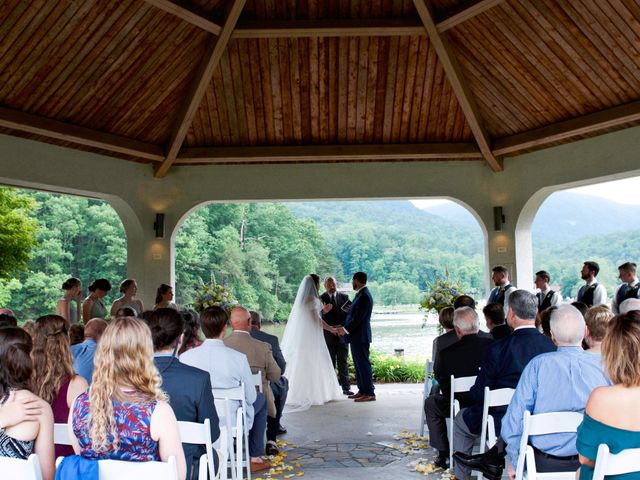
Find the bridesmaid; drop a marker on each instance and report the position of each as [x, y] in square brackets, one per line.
[93, 306]
[72, 295]
[128, 288]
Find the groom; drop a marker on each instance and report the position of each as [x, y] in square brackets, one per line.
[357, 328]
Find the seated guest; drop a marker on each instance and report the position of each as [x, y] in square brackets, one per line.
[189, 388]
[68, 306]
[126, 312]
[582, 307]
[597, 320]
[543, 321]
[461, 359]
[501, 368]
[261, 360]
[229, 368]
[628, 305]
[464, 301]
[128, 289]
[54, 379]
[30, 327]
[83, 352]
[449, 337]
[93, 305]
[125, 415]
[496, 321]
[23, 433]
[76, 334]
[279, 388]
[192, 331]
[8, 320]
[611, 416]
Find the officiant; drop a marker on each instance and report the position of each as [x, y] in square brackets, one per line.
[335, 316]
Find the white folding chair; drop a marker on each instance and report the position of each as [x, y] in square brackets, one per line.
[492, 398]
[458, 385]
[221, 446]
[200, 434]
[236, 426]
[543, 424]
[28, 469]
[61, 434]
[428, 368]
[608, 463]
[119, 469]
[257, 380]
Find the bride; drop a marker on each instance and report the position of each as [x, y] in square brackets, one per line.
[312, 379]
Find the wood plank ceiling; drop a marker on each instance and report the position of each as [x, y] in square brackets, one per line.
[173, 82]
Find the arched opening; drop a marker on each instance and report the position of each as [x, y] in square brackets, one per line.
[77, 236]
[263, 250]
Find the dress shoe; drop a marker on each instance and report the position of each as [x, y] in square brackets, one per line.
[365, 398]
[442, 461]
[259, 466]
[355, 395]
[347, 392]
[272, 448]
[281, 430]
[490, 464]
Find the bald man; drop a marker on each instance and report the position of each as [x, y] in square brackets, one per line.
[83, 353]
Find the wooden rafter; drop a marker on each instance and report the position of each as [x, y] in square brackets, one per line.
[458, 84]
[465, 12]
[586, 124]
[46, 127]
[188, 14]
[327, 153]
[209, 62]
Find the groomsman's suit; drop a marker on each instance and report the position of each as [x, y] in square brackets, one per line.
[358, 328]
[338, 349]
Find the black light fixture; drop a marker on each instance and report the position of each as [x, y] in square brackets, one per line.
[158, 225]
[498, 219]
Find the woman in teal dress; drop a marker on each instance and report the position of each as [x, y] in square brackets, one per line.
[93, 306]
[612, 416]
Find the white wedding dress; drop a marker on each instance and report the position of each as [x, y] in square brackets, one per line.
[312, 379]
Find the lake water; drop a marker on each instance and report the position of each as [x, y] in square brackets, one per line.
[395, 330]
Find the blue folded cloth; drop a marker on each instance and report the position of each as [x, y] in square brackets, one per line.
[75, 467]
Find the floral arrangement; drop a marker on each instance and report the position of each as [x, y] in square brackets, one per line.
[440, 294]
[214, 294]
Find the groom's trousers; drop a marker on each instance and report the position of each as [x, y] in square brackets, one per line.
[364, 374]
[339, 353]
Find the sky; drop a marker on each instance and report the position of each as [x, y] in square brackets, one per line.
[621, 191]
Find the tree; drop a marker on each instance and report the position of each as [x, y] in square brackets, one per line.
[17, 231]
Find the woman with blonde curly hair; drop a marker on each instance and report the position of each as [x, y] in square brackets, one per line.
[54, 379]
[125, 414]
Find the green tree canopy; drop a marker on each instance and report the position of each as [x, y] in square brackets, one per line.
[18, 231]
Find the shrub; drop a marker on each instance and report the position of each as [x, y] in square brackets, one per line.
[391, 369]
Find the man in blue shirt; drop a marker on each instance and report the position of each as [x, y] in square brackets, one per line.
[83, 353]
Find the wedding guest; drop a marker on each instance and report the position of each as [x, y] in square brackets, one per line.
[30, 327]
[93, 306]
[628, 305]
[126, 312]
[543, 320]
[581, 306]
[76, 334]
[597, 320]
[54, 379]
[24, 432]
[191, 331]
[189, 388]
[611, 416]
[449, 337]
[69, 305]
[128, 288]
[164, 297]
[84, 352]
[8, 320]
[464, 301]
[496, 321]
[126, 399]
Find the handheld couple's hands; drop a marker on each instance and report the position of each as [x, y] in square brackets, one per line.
[17, 410]
[339, 331]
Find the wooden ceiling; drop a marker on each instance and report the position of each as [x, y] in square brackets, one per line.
[172, 82]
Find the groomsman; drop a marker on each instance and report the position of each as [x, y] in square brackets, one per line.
[629, 289]
[500, 294]
[591, 293]
[335, 316]
[546, 297]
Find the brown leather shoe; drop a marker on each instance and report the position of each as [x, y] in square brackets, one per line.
[259, 466]
[365, 398]
[357, 395]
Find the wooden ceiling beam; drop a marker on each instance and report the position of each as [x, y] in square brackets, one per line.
[586, 124]
[328, 28]
[188, 14]
[465, 12]
[328, 153]
[209, 62]
[26, 122]
[458, 84]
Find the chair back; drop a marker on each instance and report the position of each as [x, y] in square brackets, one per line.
[235, 424]
[257, 380]
[607, 463]
[542, 424]
[199, 434]
[492, 398]
[458, 385]
[119, 470]
[428, 382]
[28, 469]
[61, 434]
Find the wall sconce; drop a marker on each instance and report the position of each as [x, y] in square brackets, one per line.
[498, 219]
[158, 225]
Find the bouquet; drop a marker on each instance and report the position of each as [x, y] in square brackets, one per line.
[440, 294]
[214, 295]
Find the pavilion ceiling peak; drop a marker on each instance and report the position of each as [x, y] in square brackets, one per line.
[456, 78]
[213, 53]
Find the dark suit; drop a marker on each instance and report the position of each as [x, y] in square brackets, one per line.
[501, 331]
[336, 345]
[440, 343]
[279, 388]
[501, 368]
[190, 397]
[460, 359]
[358, 324]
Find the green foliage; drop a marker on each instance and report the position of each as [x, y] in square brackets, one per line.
[390, 369]
[17, 231]
[394, 292]
[441, 294]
